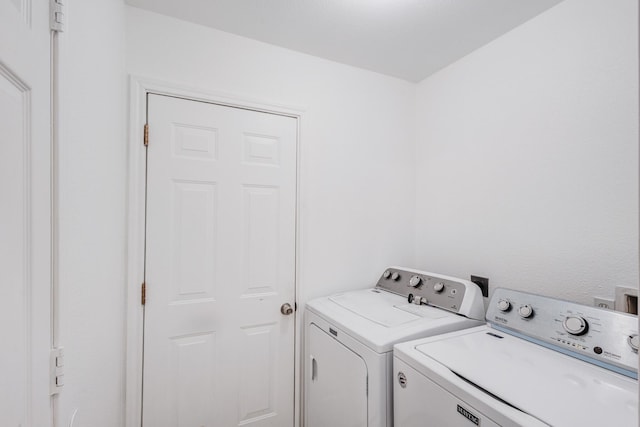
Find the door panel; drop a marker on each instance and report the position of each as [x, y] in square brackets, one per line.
[14, 261]
[190, 387]
[220, 261]
[261, 214]
[258, 352]
[25, 214]
[194, 244]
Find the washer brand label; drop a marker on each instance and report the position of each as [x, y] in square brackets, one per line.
[610, 355]
[500, 319]
[468, 415]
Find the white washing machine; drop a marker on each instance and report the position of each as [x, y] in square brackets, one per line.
[537, 362]
[349, 340]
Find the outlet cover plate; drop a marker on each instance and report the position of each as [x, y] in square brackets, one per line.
[602, 302]
[483, 283]
[621, 297]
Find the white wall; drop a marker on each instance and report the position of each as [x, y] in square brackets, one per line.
[92, 213]
[528, 156]
[526, 164]
[357, 140]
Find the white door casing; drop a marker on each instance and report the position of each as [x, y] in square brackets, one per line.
[25, 213]
[220, 262]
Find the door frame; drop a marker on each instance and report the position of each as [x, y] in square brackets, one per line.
[139, 88]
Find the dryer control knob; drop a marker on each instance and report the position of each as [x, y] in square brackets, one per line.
[415, 281]
[504, 305]
[395, 276]
[386, 274]
[438, 287]
[634, 342]
[575, 325]
[525, 311]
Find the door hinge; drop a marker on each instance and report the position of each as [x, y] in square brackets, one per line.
[146, 134]
[57, 17]
[56, 370]
[143, 294]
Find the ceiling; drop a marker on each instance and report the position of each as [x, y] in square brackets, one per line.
[408, 39]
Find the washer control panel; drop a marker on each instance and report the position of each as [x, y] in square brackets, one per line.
[420, 287]
[605, 336]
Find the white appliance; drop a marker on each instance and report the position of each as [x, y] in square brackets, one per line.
[350, 336]
[537, 362]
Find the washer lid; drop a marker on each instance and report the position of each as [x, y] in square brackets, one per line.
[555, 388]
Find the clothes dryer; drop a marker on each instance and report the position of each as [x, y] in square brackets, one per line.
[349, 339]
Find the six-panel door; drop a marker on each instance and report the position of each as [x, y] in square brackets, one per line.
[220, 262]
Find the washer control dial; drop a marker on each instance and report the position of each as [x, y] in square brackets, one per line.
[395, 276]
[415, 281]
[634, 342]
[504, 305]
[386, 274]
[525, 311]
[575, 325]
[438, 287]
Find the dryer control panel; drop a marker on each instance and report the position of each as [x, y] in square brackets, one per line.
[420, 287]
[604, 337]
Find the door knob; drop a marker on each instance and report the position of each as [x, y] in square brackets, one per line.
[286, 309]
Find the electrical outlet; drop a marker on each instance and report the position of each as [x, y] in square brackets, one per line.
[603, 302]
[483, 282]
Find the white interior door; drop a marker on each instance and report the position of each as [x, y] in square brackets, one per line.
[24, 213]
[220, 262]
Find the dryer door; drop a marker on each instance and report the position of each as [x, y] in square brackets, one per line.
[337, 387]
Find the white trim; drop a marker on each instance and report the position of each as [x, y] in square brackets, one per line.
[139, 87]
[54, 203]
[55, 191]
